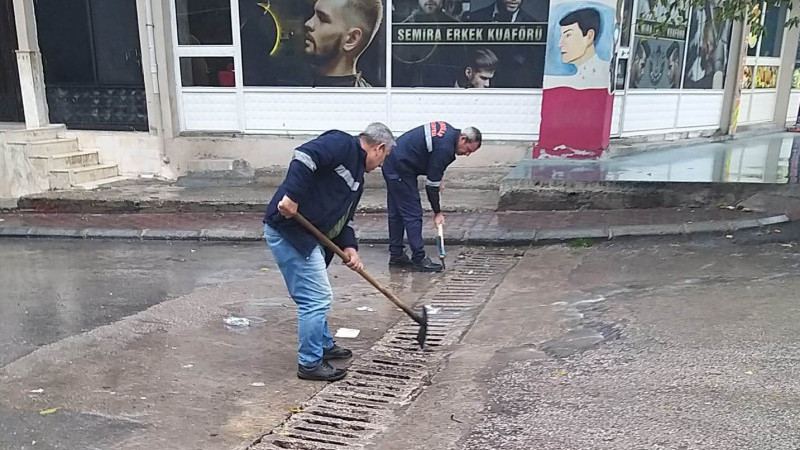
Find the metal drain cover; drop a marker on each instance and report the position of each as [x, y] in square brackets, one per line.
[347, 413]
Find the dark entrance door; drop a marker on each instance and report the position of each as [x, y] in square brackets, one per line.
[10, 97]
[92, 63]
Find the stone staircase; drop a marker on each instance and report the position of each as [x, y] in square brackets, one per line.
[65, 164]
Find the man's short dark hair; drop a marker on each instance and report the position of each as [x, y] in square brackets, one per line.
[482, 59]
[368, 12]
[586, 18]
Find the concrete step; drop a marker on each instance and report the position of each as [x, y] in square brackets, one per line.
[48, 147]
[47, 133]
[67, 178]
[66, 160]
[96, 184]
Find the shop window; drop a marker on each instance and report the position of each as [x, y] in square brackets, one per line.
[767, 77]
[747, 77]
[469, 44]
[66, 43]
[708, 49]
[627, 19]
[657, 60]
[207, 71]
[204, 22]
[622, 71]
[752, 45]
[300, 43]
[774, 23]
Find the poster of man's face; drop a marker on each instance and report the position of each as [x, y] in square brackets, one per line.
[443, 63]
[707, 55]
[320, 43]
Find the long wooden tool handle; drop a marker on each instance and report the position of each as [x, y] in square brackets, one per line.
[335, 248]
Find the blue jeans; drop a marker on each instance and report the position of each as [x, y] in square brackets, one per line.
[308, 284]
[405, 217]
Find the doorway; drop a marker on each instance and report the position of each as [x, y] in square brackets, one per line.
[92, 64]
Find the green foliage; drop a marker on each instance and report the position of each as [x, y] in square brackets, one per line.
[581, 243]
[670, 13]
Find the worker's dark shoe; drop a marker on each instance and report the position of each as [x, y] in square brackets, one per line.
[400, 261]
[426, 265]
[336, 352]
[322, 372]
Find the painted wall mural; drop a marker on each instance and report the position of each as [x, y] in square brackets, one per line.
[578, 82]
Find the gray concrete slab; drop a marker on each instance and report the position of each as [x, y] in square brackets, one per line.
[641, 344]
[127, 341]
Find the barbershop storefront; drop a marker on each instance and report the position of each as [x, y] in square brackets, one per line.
[299, 67]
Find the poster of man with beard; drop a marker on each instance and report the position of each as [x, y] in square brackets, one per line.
[313, 43]
[432, 39]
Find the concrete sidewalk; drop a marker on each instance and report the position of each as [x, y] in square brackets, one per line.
[696, 176]
[472, 228]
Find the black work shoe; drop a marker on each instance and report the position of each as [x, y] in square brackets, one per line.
[400, 261]
[323, 372]
[336, 352]
[426, 265]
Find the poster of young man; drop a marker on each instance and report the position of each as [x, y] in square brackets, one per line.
[707, 55]
[436, 42]
[657, 59]
[316, 43]
[577, 99]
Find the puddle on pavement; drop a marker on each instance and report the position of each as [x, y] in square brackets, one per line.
[773, 159]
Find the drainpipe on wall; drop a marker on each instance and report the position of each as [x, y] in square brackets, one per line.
[151, 51]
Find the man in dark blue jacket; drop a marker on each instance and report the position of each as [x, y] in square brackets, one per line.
[425, 150]
[324, 183]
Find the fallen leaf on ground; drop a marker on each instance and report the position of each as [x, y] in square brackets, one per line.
[45, 412]
[296, 410]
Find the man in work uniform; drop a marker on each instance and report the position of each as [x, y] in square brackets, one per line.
[324, 183]
[426, 150]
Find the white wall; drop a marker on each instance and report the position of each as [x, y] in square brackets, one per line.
[794, 105]
[136, 153]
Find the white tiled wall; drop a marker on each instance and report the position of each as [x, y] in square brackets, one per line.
[501, 115]
[744, 107]
[645, 111]
[700, 108]
[763, 107]
[210, 111]
[794, 105]
[616, 113]
[498, 115]
[312, 112]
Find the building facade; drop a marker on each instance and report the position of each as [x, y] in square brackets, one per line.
[154, 84]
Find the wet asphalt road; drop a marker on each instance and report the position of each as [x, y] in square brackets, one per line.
[648, 343]
[125, 342]
[53, 289]
[653, 343]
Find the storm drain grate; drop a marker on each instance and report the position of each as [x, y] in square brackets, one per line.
[346, 413]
